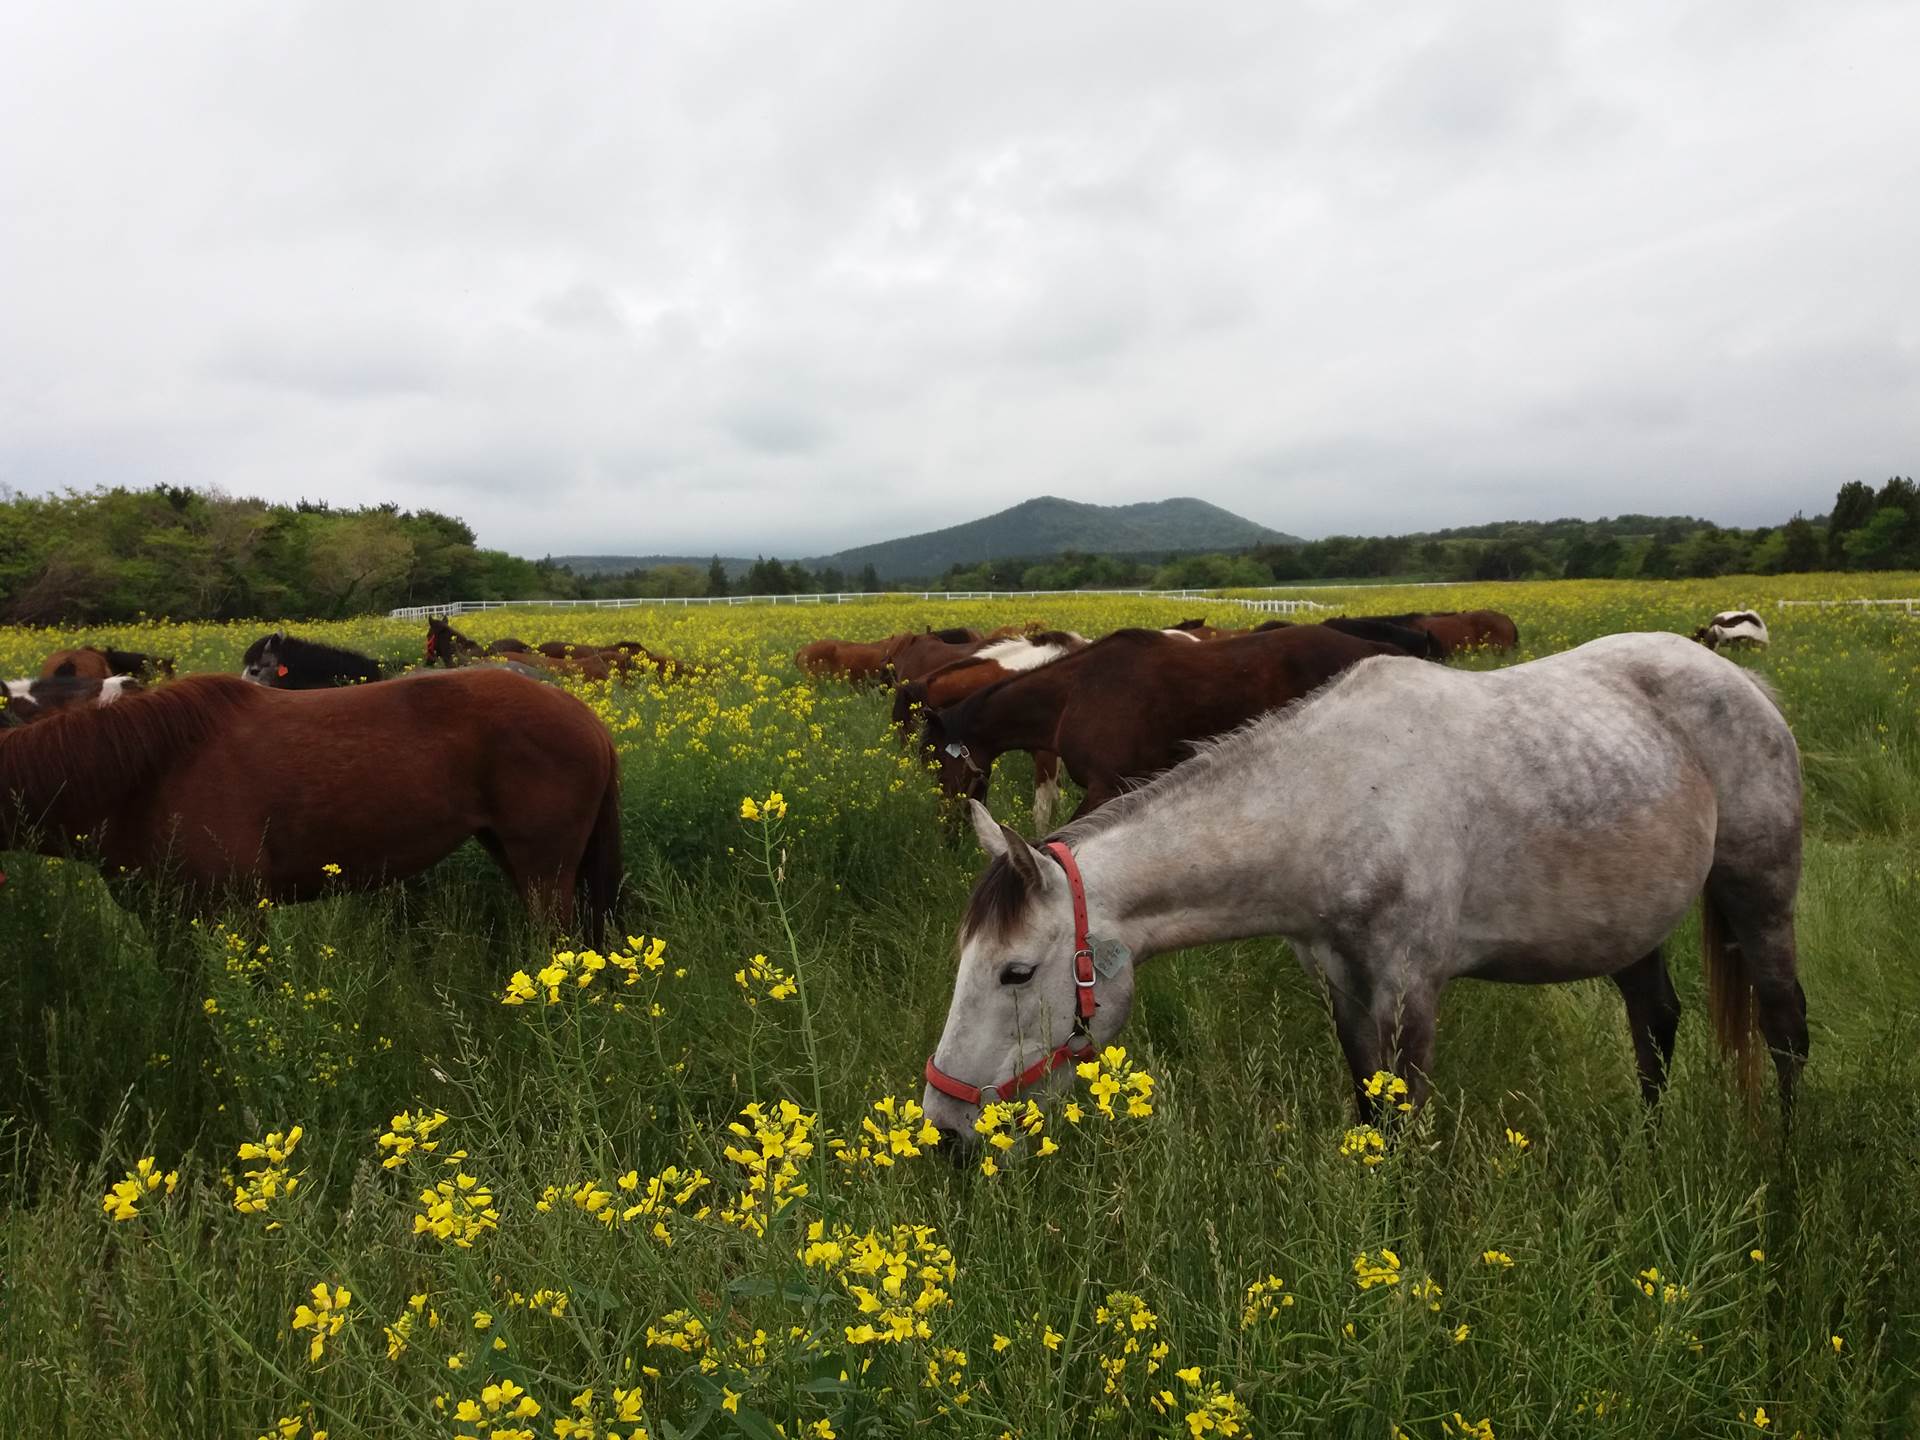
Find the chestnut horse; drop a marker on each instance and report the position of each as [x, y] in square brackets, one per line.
[97, 662]
[914, 657]
[856, 662]
[1133, 704]
[222, 784]
[1458, 630]
[447, 646]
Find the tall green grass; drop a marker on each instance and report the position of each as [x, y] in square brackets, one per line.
[180, 1321]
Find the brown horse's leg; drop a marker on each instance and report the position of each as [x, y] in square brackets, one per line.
[1653, 1016]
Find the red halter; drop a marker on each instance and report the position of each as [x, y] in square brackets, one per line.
[1079, 1041]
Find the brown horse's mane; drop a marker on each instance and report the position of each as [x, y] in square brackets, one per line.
[86, 760]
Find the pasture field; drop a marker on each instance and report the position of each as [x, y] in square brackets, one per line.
[679, 1190]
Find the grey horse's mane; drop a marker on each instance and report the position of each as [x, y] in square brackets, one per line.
[1232, 750]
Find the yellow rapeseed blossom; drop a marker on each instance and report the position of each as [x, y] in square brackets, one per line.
[1264, 1301]
[146, 1177]
[896, 1278]
[324, 1317]
[775, 1141]
[1498, 1259]
[1364, 1145]
[260, 1187]
[762, 974]
[408, 1132]
[902, 1132]
[456, 1211]
[1110, 1075]
[1481, 1429]
[1369, 1272]
[1388, 1091]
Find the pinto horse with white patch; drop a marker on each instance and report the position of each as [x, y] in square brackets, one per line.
[1733, 628]
[1641, 771]
[995, 662]
[22, 701]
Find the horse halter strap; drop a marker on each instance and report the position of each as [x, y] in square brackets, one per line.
[1079, 1042]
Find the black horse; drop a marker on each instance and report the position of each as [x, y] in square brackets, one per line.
[286, 662]
[1389, 632]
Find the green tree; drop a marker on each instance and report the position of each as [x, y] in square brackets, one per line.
[716, 577]
[1852, 508]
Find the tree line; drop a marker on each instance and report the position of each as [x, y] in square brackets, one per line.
[115, 554]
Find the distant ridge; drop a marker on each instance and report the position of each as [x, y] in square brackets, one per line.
[1031, 530]
[1048, 525]
[620, 564]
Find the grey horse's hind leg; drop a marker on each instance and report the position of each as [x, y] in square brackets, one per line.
[1760, 915]
[1653, 1017]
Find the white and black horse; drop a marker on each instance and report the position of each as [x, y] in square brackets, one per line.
[1733, 627]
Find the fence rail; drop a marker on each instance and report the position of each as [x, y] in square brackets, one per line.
[451, 608]
[1910, 603]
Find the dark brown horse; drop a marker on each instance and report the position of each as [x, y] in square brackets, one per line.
[97, 662]
[1131, 705]
[995, 661]
[222, 785]
[1457, 630]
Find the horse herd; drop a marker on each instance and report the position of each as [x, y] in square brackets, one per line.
[1401, 822]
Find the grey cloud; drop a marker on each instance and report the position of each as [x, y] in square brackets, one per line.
[788, 280]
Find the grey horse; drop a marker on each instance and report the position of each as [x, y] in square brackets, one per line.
[1407, 825]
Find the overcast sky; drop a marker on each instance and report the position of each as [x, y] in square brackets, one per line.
[786, 278]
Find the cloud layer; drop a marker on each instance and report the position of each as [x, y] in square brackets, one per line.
[786, 279]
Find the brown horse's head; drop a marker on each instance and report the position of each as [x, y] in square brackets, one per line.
[446, 645]
[960, 772]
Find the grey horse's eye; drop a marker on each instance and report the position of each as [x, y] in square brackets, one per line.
[1014, 973]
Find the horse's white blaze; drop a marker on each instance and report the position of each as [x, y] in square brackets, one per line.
[18, 689]
[1182, 635]
[114, 687]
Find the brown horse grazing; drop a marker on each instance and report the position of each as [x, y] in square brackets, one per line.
[220, 783]
[856, 662]
[994, 662]
[1133, 704]
[97, 662]
[1458, 630]
[447, 646]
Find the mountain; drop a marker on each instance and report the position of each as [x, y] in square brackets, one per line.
[620, 564]
[1048, 525]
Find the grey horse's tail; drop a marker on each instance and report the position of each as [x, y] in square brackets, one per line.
[1730, 998]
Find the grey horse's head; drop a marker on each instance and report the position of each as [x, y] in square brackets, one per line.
[1014, 997]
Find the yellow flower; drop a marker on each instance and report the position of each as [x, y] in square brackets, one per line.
[325, 1317]
[749, 808]
[729, 1402]
[1190, 1375]
[330, 869]
[1499, 1259]
[1761, 1420]
[1836, 1342]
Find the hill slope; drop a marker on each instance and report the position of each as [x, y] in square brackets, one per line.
[1048, 525]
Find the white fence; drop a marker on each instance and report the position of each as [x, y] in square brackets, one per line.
[1911, 604]
[452, 608]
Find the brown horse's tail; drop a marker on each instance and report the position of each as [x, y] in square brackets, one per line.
[1730, 999]
[600, 874]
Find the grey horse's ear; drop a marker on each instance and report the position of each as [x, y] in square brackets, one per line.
[991, 833]
[1022, 856]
